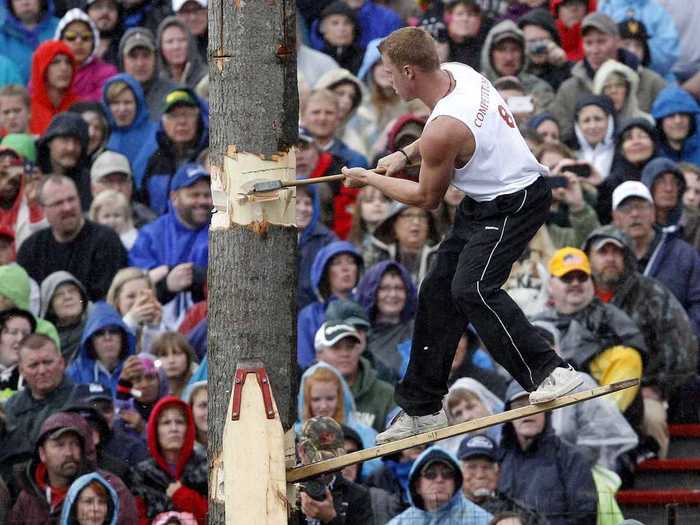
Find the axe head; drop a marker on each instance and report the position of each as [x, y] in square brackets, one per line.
[262, 186]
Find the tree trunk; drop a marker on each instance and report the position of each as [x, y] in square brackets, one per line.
[252, 276]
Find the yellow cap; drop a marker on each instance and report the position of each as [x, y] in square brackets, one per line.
[567, 260]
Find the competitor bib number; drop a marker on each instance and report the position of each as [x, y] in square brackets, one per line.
[506, 116]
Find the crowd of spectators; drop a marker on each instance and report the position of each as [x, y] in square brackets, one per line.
[105, 204]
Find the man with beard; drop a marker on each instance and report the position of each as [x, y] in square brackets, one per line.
[174, 248]
[661, 318]
[107, 17]
[91, 252]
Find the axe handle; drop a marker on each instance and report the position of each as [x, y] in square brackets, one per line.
[328, 178]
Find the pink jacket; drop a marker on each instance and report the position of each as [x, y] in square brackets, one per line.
[90, 78]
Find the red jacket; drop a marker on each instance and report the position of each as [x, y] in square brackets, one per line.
[571, 39]
[343, 201]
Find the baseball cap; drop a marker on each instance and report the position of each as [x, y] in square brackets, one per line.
[305, 136]
[329, 335]
[601, 22]
[179, 97]
[477, 446]
[109, 162]
[508, 35]
[177, 4]
[632, 28]
[567, 260]
[321, 438]
[89, 392]
[187, 175]
[139, 37]
[64, 430]
[630, 188]
[345, 311]
[602, 241]
[433, 461]
[22, 143]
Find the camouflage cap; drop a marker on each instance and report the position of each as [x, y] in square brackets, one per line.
[321, 438]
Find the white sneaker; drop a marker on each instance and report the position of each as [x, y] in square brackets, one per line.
[561, 381]
[403, 426]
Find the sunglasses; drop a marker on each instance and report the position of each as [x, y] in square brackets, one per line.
[571, 277]
[444, 473]
[72, 36]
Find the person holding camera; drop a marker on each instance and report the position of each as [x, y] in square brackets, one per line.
[329, 498]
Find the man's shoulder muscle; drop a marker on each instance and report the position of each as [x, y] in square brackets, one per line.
[444, 139]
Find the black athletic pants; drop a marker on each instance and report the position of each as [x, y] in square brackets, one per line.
[464, 286]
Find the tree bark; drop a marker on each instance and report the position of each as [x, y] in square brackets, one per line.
[252, 276]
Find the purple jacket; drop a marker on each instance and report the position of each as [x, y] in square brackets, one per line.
[90, 78]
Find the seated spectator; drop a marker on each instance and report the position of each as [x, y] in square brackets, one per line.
[620, 83]
[105, 346]
[545, 57]
[193, 13]
[546, 125]
[350, 91]
[64, 302]
[110, 208]
[175, 245]
[91, 252]
[133, 295]
[182, 134]
[137, 55]
[409, 236]
[478, 456]
[95, 117]
[659, 254]
[435, 491]
[348, 311]
[54, 69]
[312, 237]
[677, 117]
[567, 495]
[176, 357]
[389, 297]
[467, 399]
[178, 56]
[63, 451]
[595, 130]
[20, 213]
[14, 109]
[90, 500]
[635, 146]
[601, 42]
[334, 274]
[196, 395]
[15, 325]
[112, 171]
[596, 337]
[77, 30]
[132, 134]
[466, 26]
[503, 55]
[338, 344]
[25, 27]
[63, 150]
[175, 476]
[46, 390]
[691, 197]
[337, 29]
[569, 14]
[651, 20]
[345, 501]
[107, 16]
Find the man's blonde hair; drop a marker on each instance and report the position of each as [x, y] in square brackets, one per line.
[411, 46]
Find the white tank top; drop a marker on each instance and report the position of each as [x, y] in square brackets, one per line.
[502, 162]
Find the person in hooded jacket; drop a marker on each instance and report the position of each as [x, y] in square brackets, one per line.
[568, 15]
[466, 26]
[64, 302]
[106, 344]
[561, 485]
[147, 14]
[178, 57]
[52, 92]
[15, 325]
[619, 82]
[388, 296]
[312, 237]
[79, 32]
[133, 133]
[107, 15]
[50, 472]
[335, 273]
[435, 493]
[677, 116]
[94, 115]
[594, 131]
[90, 500]
[667, 185]
[175, 476]
[338, 30]
[23, 27]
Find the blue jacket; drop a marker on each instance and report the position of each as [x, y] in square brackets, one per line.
[311, 239]
[550, 476]
[457, 510]
[86, 368]
[9, 72]
[18, 43]
[372, 56]
[74, 491]
[375, 21]
[312, 316]
[167, 241]
[652, 171]
[664, 42]
[137, 141]
[676, 100]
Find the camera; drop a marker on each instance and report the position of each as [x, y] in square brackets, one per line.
[315, 488]
[538, 47]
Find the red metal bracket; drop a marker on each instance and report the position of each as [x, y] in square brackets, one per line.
[263, 382]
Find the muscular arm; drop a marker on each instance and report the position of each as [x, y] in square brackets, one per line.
[441, 143]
